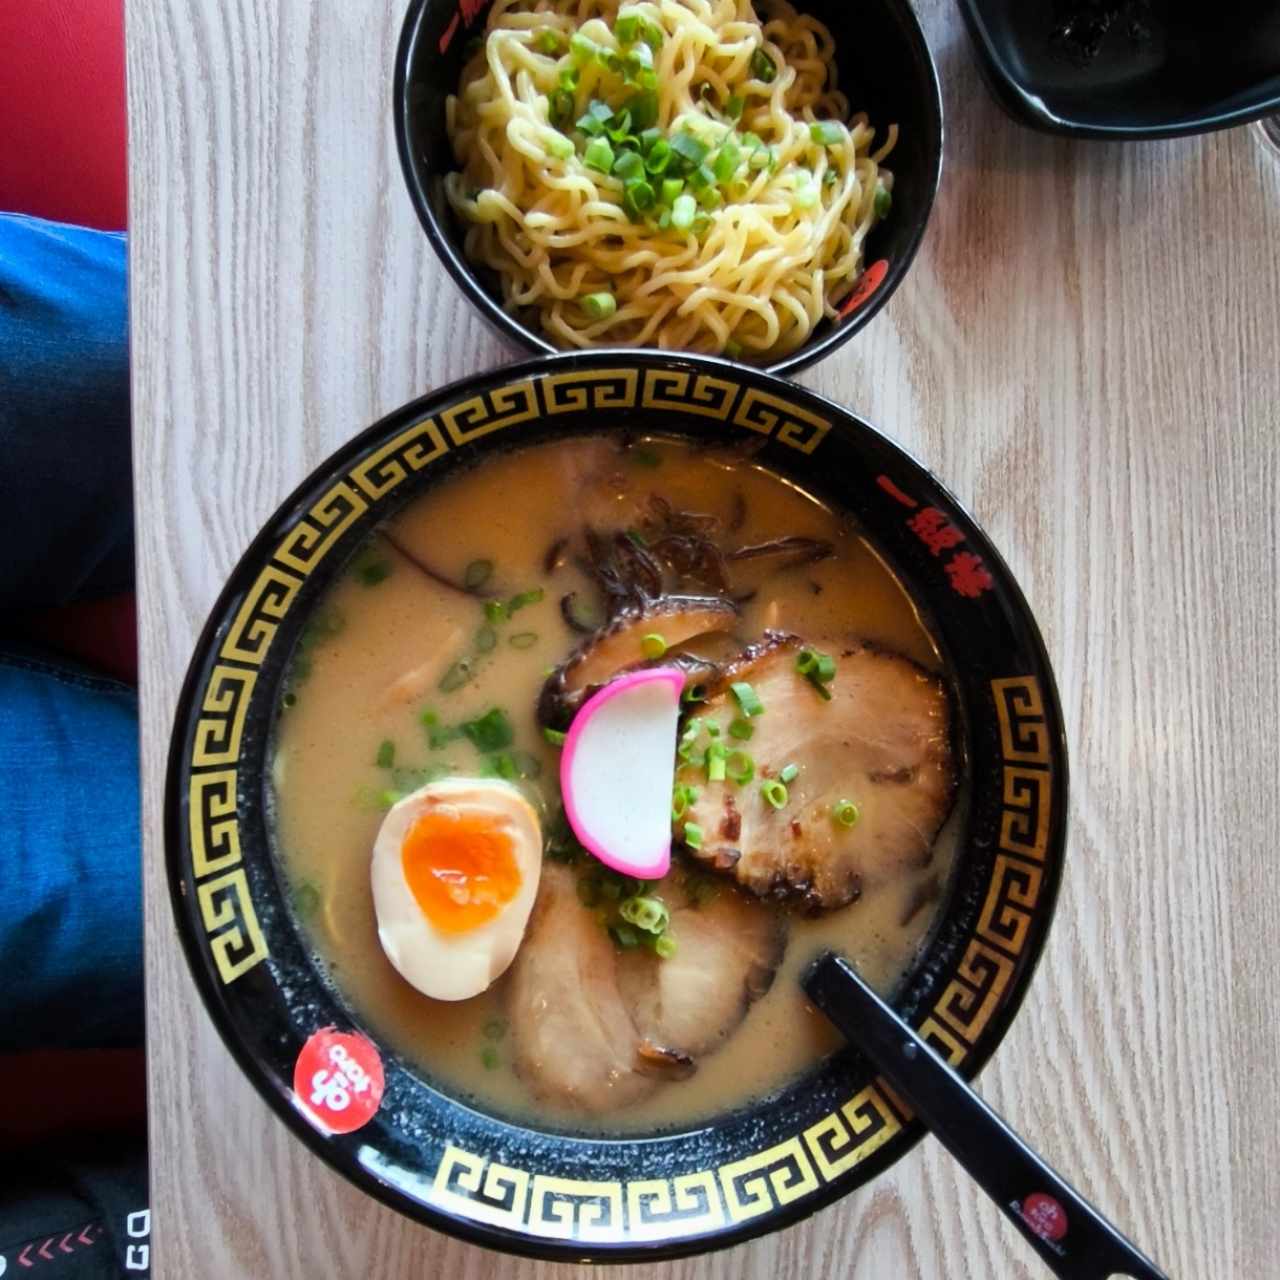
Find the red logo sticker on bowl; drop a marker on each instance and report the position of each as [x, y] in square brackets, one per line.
[337, 1081]
[1045, 1216]
[871, 280]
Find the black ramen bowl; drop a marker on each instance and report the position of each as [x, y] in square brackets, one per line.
[1121, 69]
[441, 1159]
[885, 68]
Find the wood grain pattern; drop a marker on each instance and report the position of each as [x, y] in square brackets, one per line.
[1087, 350]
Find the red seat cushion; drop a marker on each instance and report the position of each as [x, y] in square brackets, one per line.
[62, 68]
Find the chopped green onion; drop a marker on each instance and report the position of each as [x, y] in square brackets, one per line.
[805, 191]
[826, 668]
[740, 767]
[658, 157]
[649, 914]
[693, 835]
[818, 668]
[638, 195]
[554, 737]
[664, 946]
[701, 178]
[549, 41]
[489, 1056]
[389, 799]
[494, 610]
[733, 108]
[570, 78]
[560, 105]
[741, 729]
[581, 49]
[306, 900]
[486, 639]
[727, 160]
[596, 118]
[373, 572]
[638, 59]
[653, 645]
[664, 219]
[701, 221]
[884, 201]
[713, 729]
[671, 188]
[827, 133]
[559, 146]
[495, 1028]
[647, 138]
[717, 755]
[501, 766]
[477, 573]
[491, 732]
[527, 764]
[694, 692]
[456, 676]
[682, 211]
[691, 150]
[710, 198]
[619, 129]
[761, 158]
[624, 935]
[522, 598]
[627, 28]
[732, 349]
[846, 813]
[747, 698]
[386, 754]
[763, 67]
[598, 155]
[790, 773]
[628, 165]
[523, 640]
[643, 107]
[599, 306]
[775, 793]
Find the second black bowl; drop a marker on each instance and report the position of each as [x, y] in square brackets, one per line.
[885, 69]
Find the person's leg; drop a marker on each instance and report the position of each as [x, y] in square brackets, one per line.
[71, 942]
[66, 511]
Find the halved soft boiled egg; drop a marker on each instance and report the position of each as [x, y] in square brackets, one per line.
[616, 771]
[455, 872]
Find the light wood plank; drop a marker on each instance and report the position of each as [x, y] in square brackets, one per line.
[1087, 351]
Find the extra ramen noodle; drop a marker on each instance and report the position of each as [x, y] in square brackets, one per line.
[674, 174]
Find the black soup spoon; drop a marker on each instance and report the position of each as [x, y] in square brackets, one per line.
[1074, 1239]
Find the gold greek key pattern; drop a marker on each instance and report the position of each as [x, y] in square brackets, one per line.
[796, 427]
[231, 923]
[222, 713]
[389, 466]
[848, 1136]
[767, 1180]
[669, 389]
[491, 411]
[658, 1208]
[974, 994]
[496, 1194]
[1006, 914]
[310, 540]
[254, 626]
[590, 389]
[575, 1208]
[214, 831]
[1024, 824]
[1024, 736]
[944, 1042]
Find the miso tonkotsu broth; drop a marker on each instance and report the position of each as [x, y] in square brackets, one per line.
[380, 665]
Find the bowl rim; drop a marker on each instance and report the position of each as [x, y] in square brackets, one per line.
[1019, 101]
[534, 344]
[276, 1092]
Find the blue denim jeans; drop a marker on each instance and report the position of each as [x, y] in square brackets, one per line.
[70, 863]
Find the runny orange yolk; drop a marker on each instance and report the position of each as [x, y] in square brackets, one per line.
[460, 867]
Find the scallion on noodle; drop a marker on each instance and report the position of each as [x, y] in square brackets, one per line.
[599, 306]
[691, 163]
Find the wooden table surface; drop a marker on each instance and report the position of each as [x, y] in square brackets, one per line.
[1087, 350]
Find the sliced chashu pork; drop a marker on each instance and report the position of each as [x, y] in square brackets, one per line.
[595, 1028]
[883, 741]
[618, 647]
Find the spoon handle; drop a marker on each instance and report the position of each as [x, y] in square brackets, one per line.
[1073, 1238]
